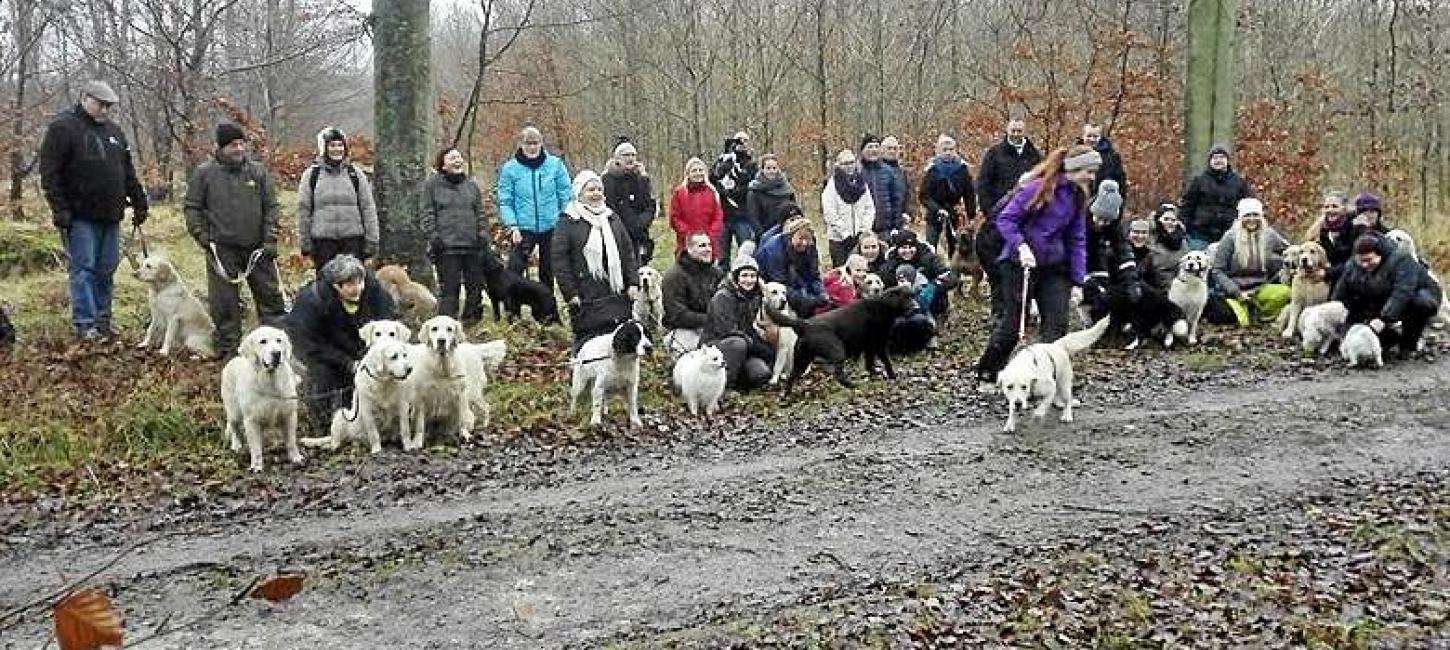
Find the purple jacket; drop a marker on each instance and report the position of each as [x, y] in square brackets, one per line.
[1056, 234]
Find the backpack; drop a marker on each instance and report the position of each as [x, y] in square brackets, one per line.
[351, 175]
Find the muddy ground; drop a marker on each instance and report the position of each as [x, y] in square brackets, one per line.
[892, 520]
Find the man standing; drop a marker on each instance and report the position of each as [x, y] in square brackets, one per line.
[888, 193]
[628, 192]
[1092, 136]
[88, 178]
[533, 189]
[231, 213]
[891, 149]
[1003, 163]
[731, 174]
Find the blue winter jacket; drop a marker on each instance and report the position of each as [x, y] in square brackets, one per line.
[533, 193]
[801, 274]
[888, 193]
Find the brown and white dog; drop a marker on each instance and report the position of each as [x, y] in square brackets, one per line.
[1307, 285]
[413, 298]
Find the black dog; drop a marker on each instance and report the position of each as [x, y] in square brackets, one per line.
[508, 292]
[846, 333]
[1152, 315]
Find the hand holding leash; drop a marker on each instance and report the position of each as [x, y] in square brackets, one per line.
[1026, 258]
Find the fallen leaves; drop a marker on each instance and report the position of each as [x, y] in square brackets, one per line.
[86, 620]
[279, 586]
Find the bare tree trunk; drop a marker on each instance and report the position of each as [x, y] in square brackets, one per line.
[404, 116]
[27, 34]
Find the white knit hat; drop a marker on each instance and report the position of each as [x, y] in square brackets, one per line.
[1251, 206]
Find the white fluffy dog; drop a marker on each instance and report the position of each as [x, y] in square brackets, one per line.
[1361, 347]
[439, 383]
[609, 363]
[649, 307]
[700, 376]
[872, 286]
[773, 296]
[1044, 371]
[478, 362]
[178, 318]
[259, 393]
[376, 331]
[1321, 325]
[379, 397]
[1190, 290]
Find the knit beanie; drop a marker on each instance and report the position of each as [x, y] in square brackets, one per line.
[330, 134]
[906, 275]
[795, 225]
[1251, 206]
[1366, 201]
[624, 148]
[903, 237]
[1217, 148]
[226, 132]
[1141, 225]
[583, 178]
[744, 259]
[870, 138]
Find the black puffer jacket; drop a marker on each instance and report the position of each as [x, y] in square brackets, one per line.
[925, 261]
[1389, 289]
[1109, 252]
[1001, 167]
[1211, 203]
[572, 272]
[688, 288]
[631, 196]
[452, 216]
[732, 313]
[86, 170]
[324, 333]
[943, 191]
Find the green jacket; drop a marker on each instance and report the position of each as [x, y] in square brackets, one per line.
[231, 204]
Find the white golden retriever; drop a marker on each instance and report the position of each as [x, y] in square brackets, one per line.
[439, 383]
[1321, 325]
[479, 361]
[649, 307]
[376, 331]
[1361, 347]
[872, 286]
[1190, 290]
[379, 398]
[609, 364]
[259, 394]
[773, 296]
[700, 376]
[1044, 371]
[178, 318]
[1308, 263]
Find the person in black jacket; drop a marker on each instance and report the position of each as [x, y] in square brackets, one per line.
[88, 179]
[769, 195]
[687, 289]
[1111, 264]
[1004, 163]
[1092, 136]
[323, 326]
[594, 262]
[1383, 286]
[731, 174]
[629, 193]
[730, 326]
[458, 236]
[946, 190]
[1210, 203]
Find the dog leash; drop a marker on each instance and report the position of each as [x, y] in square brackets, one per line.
[221, 269]
[1026, 285]
[140, 237]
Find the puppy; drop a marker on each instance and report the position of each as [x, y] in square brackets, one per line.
[1321, 325]
[259, 394]
[649, 307]
[1307, 284]
[378, 331]
[773, 296]
[846, 333]
[379, 398]
[700, 376]
[1044, 371]
[439, 385]
[413, 299]
[609, 364]
[1190, 290]
[872, 286]
[509, 292]
[178, 318]
[1361, 347]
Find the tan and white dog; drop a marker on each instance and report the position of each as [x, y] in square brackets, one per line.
[178, 317]
[259, 394]
[1190, 290]
[413, 298]
[1307, 284]
[773, 296]
[872, 286]
[379, 399]
[439, 382]
[649, 306]
[1044, 371]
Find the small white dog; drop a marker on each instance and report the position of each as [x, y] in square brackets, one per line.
[872, 286]
[1361, 347]
[379, 396]
[1190, 290]
[700, 376]
[259, 394]
[178, 318]
[773, 295]
[439, 383]
[649, 307]
[479, 361]
[1044, 371]
[1321, 325]
[377, 331]
[609, 363]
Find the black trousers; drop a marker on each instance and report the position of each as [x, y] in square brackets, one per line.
[323, 250]
[328, 388]
[461, 270]
[519, 255]
[225, 299]
[1051, 287]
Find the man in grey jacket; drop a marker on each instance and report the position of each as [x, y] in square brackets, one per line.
[231, 212]
[335, 209]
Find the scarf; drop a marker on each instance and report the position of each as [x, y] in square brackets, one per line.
[454, 178]
[601, 251]
[849, 185]
[778, 187]
[1169, 240]
[948, 167]
[531, 163]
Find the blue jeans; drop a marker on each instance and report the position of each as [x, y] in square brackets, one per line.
[742, 230]
[94, 248]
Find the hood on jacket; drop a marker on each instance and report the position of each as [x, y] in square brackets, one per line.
[330, 134]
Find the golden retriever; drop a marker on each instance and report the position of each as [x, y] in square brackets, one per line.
[1307, 285]
[413, 298]
[178, 318]
[379, 396]
[259, 394]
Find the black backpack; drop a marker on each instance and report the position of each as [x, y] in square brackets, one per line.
[351, 175]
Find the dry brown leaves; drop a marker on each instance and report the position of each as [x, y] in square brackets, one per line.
[279, 586]
[86, 620]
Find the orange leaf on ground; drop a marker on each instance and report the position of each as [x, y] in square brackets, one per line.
[279, 587]
[86, 620]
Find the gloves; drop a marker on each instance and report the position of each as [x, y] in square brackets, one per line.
[138, 217]
[633, 293]
[1025, 256]
[370, 249]
[61, 220]
[1377, 325]
[435, 248]
[1075, 297]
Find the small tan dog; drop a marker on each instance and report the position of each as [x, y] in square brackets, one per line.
[782, 338]
[178, 318]
[1307, 286]
[413, 299]
[872, 286]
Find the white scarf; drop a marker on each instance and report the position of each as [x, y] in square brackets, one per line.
[601, 251]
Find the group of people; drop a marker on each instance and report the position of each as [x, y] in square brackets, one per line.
[1048, 228]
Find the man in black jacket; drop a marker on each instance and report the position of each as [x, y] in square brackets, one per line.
[687, 289]
[1210, 203]
[628, 192]
[88, 178]
[946, 192]
[1003, 163]
[1382, 286]
[1092, 136]
[231, 213]
[731, 174]
[324, 325]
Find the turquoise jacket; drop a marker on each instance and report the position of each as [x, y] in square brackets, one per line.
[532, 193]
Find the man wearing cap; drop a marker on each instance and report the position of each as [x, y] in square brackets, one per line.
[231, 213]
[628, 192]
[88, 179]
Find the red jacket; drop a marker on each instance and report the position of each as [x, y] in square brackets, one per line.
[694, 210]
[839, 290]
